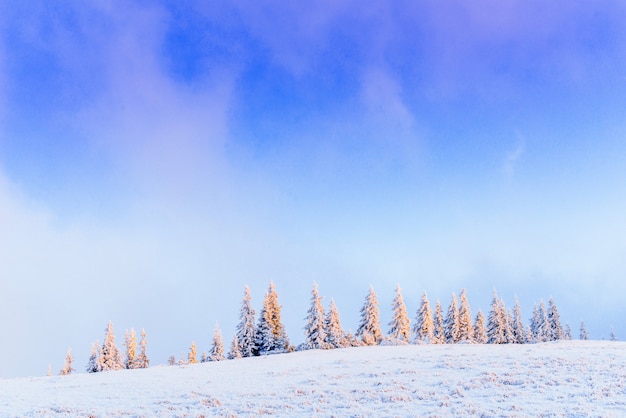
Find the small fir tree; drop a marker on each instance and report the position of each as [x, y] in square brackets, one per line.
[67, 367]
[517, 326]
[192, 357]
[453, 332]
[424, 325]
[480, 333]
[583, 331]
[94, 363]
[234, 349]
[612, 335]
[439, 326]
[400, 324]
[543, 324]
[131, 350]
[466, 330]
[217, 348]
[335, 337]
[271, 337]
[246, 329]
[555, 330]
[369, 327]
[142, 359]
[567, 332]
[111, 358]
[171, 361]
[314, 330]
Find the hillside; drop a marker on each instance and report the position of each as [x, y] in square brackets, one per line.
[570, 378]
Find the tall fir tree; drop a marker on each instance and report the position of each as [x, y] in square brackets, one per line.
[508, 324]
[234, 349]
[452, 323]
[517, 326]
[217, 347]
[496, 322]
[130, 341]
[192, 356]
[555, 329]
[142, 359]
[67, 367]
[583, 331]
[369, 328]
[93, 365]
[246, 329]
[439, 327]
[543, 324]
[271, 337]
[424, 326]
[111, 357]
[480, 333]
[335, 337]
[314, 330]
[466, 330]
[400, 324]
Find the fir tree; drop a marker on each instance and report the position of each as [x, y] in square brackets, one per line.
[142, 359]
[543, 324]
[67, 367]
[171, 360]
[369, 327]
[111, 358]
[424, 326]
[400, 325]
[93, 366]
[517, 326]
[508, 324]
[439, 329]
[234, 349]
[612, 335]
[480, 333]
[217, 348]
[583, 331]
[314, 330]
[246, 329]
[131, 350]
[496, 322]
[452, 322]
[466, 330]
[192, 357]
[567, 332]
[271, 337]
[555, 330]
[335, 337]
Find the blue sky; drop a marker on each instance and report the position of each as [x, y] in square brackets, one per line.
[155, 158]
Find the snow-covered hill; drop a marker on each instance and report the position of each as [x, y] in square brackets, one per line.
[570, 378]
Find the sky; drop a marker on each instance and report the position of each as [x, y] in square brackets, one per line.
[157, 157]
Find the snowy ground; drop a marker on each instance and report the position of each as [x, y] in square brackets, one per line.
[570, 378]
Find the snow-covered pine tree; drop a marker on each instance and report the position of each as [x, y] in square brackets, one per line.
[496, 322]
[508, 324]
[271, 337]
[369, 328]
[400, 324]
[93, 365]
[171, 360]
[534, 324]
[555, 332]
[130, 341]
[543, 324]
[111, 357]
[192, 356]
[424, 325]
[567, 332]
[612, 336]
[142, 359]
[466, 330]
[335, 337]
[583, 331]
[217, 347]
[67, 367]
[246, 329]
[517, 326]
[439, 327]
[314, 330]
[480, 333]
[452, 324]
[234, 349]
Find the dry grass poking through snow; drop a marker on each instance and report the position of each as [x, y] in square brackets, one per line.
[570, 378]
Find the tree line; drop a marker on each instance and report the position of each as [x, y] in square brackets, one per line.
[265, 334]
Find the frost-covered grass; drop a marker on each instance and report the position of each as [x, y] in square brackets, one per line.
[571, 378]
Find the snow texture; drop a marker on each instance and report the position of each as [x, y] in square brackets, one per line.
[565, 378]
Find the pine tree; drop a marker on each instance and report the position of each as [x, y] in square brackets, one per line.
[271, 337]
[217, 348]
[555, 332]
[142, 360]
[314, 330]
[192, 357]
[67, 367]
[508, 324]
[131, 350]
[171, 360]
[369, 327]
[567, 332]
[466, 330]
[517, 326]
[246, 329]
[234, 349]
[335, 337]
[496, 325]
[111, 358]
[93, 366]
[452, 322]
[400, 324]
[480, 333]
[543, 324]
[612, 335]
[424, 326]
[439, 328]
[583, 331]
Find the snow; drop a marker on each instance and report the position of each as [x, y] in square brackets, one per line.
[566, 378]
